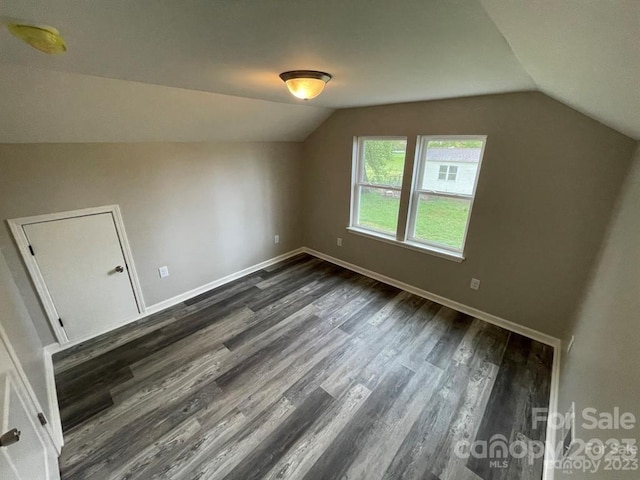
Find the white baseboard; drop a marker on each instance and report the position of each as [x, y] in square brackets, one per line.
[158, 307]
[52, 397]
[54, 420]
[487, 317]
[474, 312]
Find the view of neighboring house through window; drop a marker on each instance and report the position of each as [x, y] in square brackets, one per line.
[444, 182]
[379, 167]
[440, 210]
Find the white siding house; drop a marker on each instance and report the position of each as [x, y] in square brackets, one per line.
[451, 170]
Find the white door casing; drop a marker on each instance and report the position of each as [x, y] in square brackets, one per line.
[35, 455]
[8, 472]
[73, 266]
[85, 271]
[27, 458]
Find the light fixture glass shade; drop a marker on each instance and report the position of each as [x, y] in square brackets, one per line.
[43, 38]
[305, 84]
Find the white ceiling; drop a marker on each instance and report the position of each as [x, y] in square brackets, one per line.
[585, 53]
[582, 52]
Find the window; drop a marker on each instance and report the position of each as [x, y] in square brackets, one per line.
[378, 173]
[448, 172]
[438, 206]
[440, 211]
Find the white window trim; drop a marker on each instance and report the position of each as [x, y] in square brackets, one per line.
[418, 172]
[419, 247]
[403, 239]
[356, 172]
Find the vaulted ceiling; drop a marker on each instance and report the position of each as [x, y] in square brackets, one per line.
[208, 69]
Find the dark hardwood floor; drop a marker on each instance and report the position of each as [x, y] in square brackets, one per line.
[303, 370]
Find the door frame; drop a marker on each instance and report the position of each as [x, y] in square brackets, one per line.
[17, 229]
[53, 440]
[8, 377]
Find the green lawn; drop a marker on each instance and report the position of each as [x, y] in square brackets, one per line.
[440, 220]
[378, 211]
[397, 163]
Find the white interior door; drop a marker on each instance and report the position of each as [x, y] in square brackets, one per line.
[85, 272]
[6, 468]
[26, 459]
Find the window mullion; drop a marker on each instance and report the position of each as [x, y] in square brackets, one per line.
[405, 193]
[418, 171]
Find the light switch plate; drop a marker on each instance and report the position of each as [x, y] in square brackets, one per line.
[475, 284]
[163, 271]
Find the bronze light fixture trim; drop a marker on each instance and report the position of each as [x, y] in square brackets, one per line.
[305, 84]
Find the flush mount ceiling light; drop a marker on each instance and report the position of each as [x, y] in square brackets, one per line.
[41, 37]
[305, 84]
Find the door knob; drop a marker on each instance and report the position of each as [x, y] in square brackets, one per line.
[9, 438]
[119, 269]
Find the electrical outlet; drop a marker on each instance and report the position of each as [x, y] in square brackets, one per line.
[339, 241]
[475, 284]
[573, 339]
[276, 239]
[163, 271]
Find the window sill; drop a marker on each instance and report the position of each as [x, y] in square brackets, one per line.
[438, 252]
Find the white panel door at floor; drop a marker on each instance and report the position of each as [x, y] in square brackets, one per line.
[6, 469]
[83, 266]
[26, 459]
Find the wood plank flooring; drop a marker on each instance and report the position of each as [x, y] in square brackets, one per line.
[303, 370]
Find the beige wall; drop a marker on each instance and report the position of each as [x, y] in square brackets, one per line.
[549, 179]
[548, 184]
[601, 371]
[204, 210]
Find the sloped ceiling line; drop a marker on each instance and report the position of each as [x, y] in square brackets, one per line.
[219, 63]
